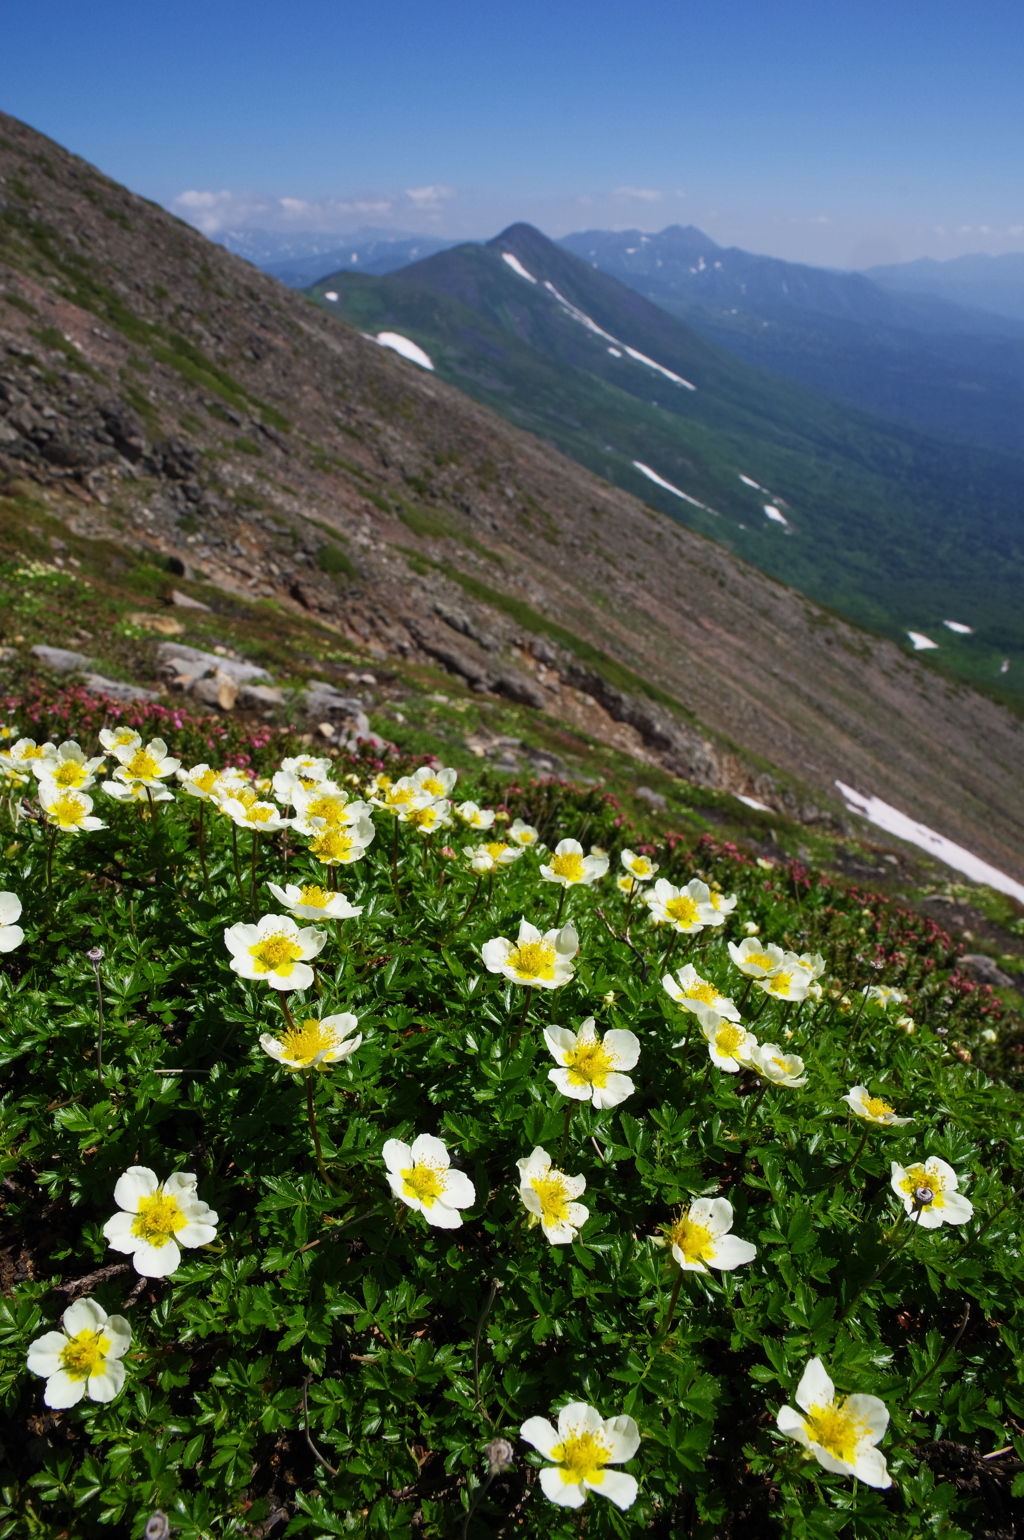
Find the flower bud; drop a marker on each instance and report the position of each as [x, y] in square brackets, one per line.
[499, 1454]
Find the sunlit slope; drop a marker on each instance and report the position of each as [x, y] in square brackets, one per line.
[896, 530]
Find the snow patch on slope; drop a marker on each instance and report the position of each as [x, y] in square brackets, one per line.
[517, 267]
[894, 822]
[645, 470]
[921, 643]
[958, 625]
[592, 326]
[407, 348]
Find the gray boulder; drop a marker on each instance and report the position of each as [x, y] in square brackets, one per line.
[60, 659]
[193, 662]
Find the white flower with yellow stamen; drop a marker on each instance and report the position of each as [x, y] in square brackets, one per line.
[569, 867]
[750, 928]
[69, 811]
[540, 961]
[314, 1043]
[311, 902]
[274, 950]
[137, 791]
[67, 768]
[491, 856]
[872, 1109]
[157, 1218]
[778, 1067]
[308, 767]
[339, 846]
[929, 1189]
[639, 867]
[326, 806]
[476, 817]
[729, 1043]
[686, 910]
[436, 815]
[522, 833]
[549, 1196]
[422, 1177]
[11, 933]
[723, 904]
[201, 781]
[83, 1359]
[19, 759]
[300, 774]
[694, 993]
[841, 1434]
[438, 780]
[400, 796]
[149, 766]
[628, 885]
[756, 959]
[114, 738]
[882, 996]
[251, 813]
[589, 1065]
[813, 962]
[789, 981]
[700, 1238]
[582, 1448]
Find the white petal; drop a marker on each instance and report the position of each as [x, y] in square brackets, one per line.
[62, 1391]
[181, 1185]
[560, 1041]
[719, 1212]
[10, 937]
[118, 1231]
[442, 1217]
[239, 938]
[560, 1078]
[617, 1485]
[194, 1234]
[566, 941]
[870, 1467]
[459, 1191]
[731, 1252]
[540, 1433]
[579, 1417]
[397, 1156]
[872, 1411]
[156, 1261]
[44, 1354]
[829, 1461]
[429, 1151]
[947, 1177]
[624, 1437]
[137, 1182]
[10, 908]
[559, 1233]
[84, 1315]
[105, 1386]
[791, 1423]
[527, 932]
[120, 1335]
[341, 1024]
[495, 954]
[615, 1090]
[956, 1210]
[566, 1494]
[624, 1045]
[536, 1163]
[815, 1387]
[299, 977]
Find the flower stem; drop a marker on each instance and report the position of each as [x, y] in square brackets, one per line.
[565, 1133]
[853, 1158]
[234, 854]
[522, 1019]
[464, 916]
[394, 867]
[881, 1269]
[561, 906]
[252, 870]
[95, 956]
[202, 852]
[311, 1118]
[49, 860]
[672, 1302]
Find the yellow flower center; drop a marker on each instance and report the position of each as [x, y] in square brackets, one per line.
[159, 1218]
[70, 773]
[683, 910]
[533, 960]
[124, 737]
[837, 1430]
[31, 753]
[68, 811]
[142, 766]
[496, 850]
[554, 1200]
[259, 812]
[398, 796]
[433, 785]
[304, 1043]
[332, 845]
[206, 780]
[316, 897]
[694, 1241]
[780, 984]
[570, 867]
[425, 1183]
[917, 1176]
[782, 1065]
[327, 807]
[758, 960]
[582, 1457]
[701, 990]
[715, 899]
[277, 953]
[729, 1038]
[84, 1354]
[590, 1064]
[422, 818]
[876, 1108]
[525, 836]
[640, 866]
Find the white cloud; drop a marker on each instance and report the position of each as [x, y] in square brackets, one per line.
[641, 194]
[429, 197]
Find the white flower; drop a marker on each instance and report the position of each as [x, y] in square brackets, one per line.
[301, 773]
[84, 1359]
[549, 1196]
[274, 950]
[326, 806]
[437, 781]
[729, 1044]
[789, 981]
[401, 797]
[841, 1434]
[69, 811]
[813, 962]
[569, 866]
[700, 1238]
[756, 959]
[638, 867]
[872, 1109]
[522, 833]
[11, 934]
[340, 844]
[686, 910]
[772, 1064]
[723, 904]
[314, 1044]
[311, 902]
[20, 758]
[422, 1177]
[694, 993]
[113, 738]
[931, 1189]
[476, 817]
[149, 765]
[490, 856]
[582, 1448]
[435, 815]
[157, 1218]
[882, 996]
[590, 1065]
[142, 792]
[201, 781]
[750, 929]
[541, 961]
[251, 813]
[67, 768]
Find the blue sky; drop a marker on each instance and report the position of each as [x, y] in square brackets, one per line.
[844, 132]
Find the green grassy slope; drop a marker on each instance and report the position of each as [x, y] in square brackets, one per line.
[893, 529]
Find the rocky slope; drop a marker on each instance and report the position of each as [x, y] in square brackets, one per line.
[164, 396]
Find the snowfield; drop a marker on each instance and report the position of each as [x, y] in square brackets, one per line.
[921, 643]
[958, 625]
[645, 470]
[894, 822]
[517, 267]
[775, 515]
[408, 349]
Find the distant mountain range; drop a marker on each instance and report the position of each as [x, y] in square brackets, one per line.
[299, 258]
[900, 352]
[898, 531]
[989, 283]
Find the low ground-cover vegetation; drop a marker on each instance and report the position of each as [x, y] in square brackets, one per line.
[346, 1187]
